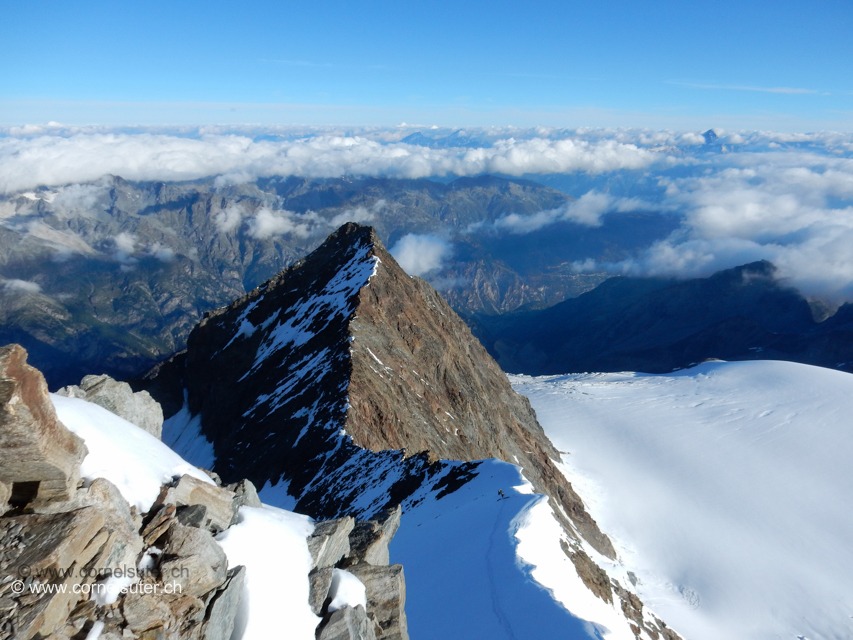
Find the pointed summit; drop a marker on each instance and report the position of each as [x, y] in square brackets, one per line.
[355, 385]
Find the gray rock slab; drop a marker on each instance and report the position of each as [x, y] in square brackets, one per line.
[330, 541]
[369, 540]
[386, 598]
[195, 560]
[245, 494]
[319, 582]
[348, 624]
[222, 609]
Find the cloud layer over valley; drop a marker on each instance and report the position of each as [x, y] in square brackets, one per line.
[736, 197]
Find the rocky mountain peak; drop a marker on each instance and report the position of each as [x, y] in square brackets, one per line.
[343, 372]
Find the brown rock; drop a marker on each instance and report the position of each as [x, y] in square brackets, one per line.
[41, 457]
[145, 611]
[218, 501]
[160, 519]
[50, 549]
[386, 598]
[193, 560]
[593, 576]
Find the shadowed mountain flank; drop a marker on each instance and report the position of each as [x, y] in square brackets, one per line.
[356, 385]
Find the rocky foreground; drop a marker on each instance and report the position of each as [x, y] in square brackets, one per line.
[78, 561]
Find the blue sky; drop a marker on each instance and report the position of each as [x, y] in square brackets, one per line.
[749, 64]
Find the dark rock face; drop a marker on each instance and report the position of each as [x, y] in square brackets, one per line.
[343, 372]
[657, 325]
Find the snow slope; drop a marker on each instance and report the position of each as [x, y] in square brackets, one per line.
[129, 457]
[269, 542]
[470, 560]
[726, 489]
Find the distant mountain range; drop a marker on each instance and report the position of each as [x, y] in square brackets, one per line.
[657, 325]
[111, 276]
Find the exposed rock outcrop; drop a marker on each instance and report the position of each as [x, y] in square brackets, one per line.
[349, 623]
[67, 549]
[41, 458]
[90, 564]
[138, 408]
[362, 549]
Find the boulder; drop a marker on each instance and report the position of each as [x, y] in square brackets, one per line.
[319, 583]
[189, 491]
[145, 611]
[159, 520]
[120, 521]
[223, 607]
[369, 540]
[193, 560]
[330, 542]
[386, 598]
[49, 548]
[41, 457]
[139, 408]
[245, 494]
[349, 623]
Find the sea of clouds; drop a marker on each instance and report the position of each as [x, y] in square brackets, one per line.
[743, 196]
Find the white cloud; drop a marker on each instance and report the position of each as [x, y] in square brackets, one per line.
[28, 162]
[267, 223]
[24, 286]
[161, 252]
[784, 197]
[360, 214]
[586, 210]
[229, 218]
[794, 209]
[420, 254]
[125, 244]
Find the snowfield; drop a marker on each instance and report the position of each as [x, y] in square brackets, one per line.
[726, 489]
[132, 459]
[475, 565]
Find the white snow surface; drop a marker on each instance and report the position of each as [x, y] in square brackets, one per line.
[472, 561]
[725, 488]
[271, 544]
[346, 591]
[129, 457]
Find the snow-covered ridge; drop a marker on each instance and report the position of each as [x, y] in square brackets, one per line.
[314, 312]
[725, 488]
